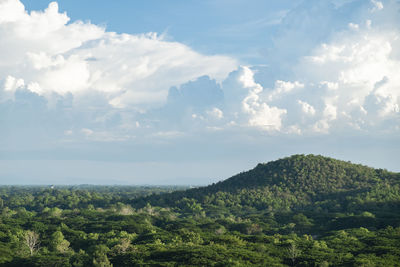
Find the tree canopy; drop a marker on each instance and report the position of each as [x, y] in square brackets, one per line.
[297, 211]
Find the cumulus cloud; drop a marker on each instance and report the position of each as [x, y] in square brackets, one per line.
[306, 108]
[239, 101]
[357, 77]
[51, 55]
[76, 82]
[282, 88]
[215, 113]
[257, 111]
[347, 84]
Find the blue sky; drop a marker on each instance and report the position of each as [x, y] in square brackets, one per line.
[233, 27]
[192, 92]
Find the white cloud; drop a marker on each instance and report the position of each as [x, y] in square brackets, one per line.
[11, 11]
[330, 112]
[306, 108]
[52, 55]
[355, 77]
[11, 83]
[215, 113]
[347, 84]
[330, 85]
[282, 88]
[248, 104]
[354, 26]
[321, 126]
[104, 86]
[265, 117]
[378, 5]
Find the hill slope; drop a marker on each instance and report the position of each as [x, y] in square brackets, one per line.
[316, 173]
[296, 182]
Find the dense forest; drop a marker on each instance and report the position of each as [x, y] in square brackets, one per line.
[296, 211]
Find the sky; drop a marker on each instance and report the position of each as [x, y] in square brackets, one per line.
[192, 92]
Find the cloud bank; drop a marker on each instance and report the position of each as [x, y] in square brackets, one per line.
[48, 55]
[74, 84]
[95, 77]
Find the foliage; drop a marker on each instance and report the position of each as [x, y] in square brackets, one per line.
[297, 211]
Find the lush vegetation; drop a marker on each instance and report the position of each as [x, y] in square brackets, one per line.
[297, 211]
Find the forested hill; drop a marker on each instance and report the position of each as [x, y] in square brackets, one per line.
[311, 173]
[299, 181]
[297, 211]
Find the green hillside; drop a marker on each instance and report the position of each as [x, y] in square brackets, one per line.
[312, 174]
[296, 211]
[298, 182]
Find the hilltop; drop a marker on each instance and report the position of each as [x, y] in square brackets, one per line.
[295, 182]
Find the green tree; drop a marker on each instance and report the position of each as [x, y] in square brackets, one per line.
[293, 252]
[100, 258]
[58, 243]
